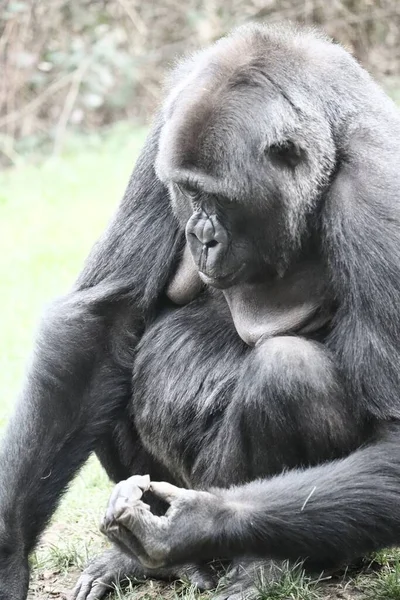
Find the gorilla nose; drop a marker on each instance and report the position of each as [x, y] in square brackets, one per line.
[205, 232]
[207, 240]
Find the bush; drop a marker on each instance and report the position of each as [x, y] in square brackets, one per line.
[87, 63]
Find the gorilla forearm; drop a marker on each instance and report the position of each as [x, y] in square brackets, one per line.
[329, 515]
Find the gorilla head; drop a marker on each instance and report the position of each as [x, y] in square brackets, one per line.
[247, 155]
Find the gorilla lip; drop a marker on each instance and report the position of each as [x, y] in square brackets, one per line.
[222, 282]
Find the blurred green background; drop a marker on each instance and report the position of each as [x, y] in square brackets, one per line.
[82, 65]
[50, 215]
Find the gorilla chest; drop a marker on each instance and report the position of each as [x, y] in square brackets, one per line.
[190, 360]
[186, 369]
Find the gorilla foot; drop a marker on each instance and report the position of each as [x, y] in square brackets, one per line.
[101, 575]
[238, 590]
[14, 575]
[247, 578]
[112, 567]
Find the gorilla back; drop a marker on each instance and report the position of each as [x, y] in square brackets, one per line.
[250, 281]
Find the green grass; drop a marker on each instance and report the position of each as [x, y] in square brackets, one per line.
[292, 583]
[386, 586]
[50, 215]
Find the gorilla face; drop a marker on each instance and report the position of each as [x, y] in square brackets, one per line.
[218, 236]
[244, 164]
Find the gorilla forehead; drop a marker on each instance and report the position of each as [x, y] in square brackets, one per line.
[232, 101]
[225, 115]
[223, 106]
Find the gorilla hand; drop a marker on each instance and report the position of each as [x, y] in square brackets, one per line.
[158, 541]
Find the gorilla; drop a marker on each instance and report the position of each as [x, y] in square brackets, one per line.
[234, 334]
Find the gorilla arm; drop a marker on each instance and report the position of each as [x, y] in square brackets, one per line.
[78, 380]
[328, 514]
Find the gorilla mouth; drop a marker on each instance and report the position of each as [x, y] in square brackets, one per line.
[221, 282]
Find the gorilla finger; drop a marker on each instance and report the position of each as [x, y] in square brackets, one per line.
[82, 588]
[130, 486]
[89, 588]
[121, 545]
[111, 504]
[99, 590]
[74, 594]
[167, 491]
[134, 509]
[128, 491]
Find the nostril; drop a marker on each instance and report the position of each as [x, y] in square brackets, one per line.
[211, 244]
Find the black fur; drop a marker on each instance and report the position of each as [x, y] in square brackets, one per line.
[204, 410]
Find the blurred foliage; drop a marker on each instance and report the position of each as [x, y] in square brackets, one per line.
[87, 63]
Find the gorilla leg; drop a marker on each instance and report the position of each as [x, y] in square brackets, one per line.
[121, 454]
[288, 409]
[74, 389]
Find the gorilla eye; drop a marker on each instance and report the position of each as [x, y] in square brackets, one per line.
[285, 153]
[188, 190]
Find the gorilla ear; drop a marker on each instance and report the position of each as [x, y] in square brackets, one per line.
[285, 154]
[361, 243]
